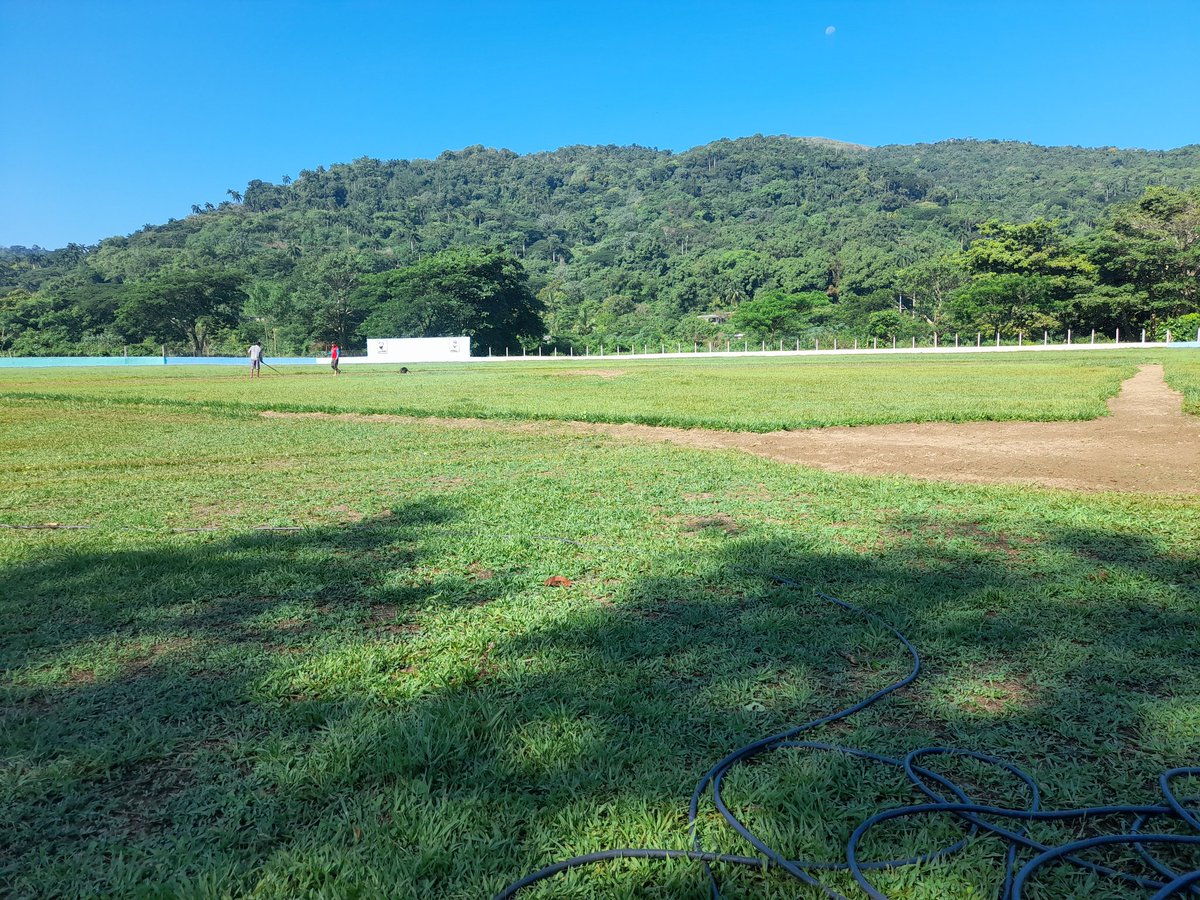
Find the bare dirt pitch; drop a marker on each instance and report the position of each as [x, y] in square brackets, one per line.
[1146, 445]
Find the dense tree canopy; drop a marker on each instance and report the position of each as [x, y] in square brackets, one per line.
[183, 305]
[629, 244]
[483, 294]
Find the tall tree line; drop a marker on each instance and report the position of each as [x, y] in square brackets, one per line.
[769, 237]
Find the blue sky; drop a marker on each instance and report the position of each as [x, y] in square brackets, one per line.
[118, 113]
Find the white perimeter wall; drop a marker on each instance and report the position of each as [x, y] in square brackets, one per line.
[406, 350]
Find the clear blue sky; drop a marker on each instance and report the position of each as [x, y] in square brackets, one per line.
[123, 113]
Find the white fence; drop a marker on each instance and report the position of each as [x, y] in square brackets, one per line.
[673, 350]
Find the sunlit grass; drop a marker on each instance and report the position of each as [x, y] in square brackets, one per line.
[1183, 374]
[392, 701]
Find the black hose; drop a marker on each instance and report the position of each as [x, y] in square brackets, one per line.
[976, 816]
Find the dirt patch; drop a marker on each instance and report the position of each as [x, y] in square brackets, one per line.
[384, 612]
[211, 514]
[479, 572]
[78, 677]
[343, 513]
[716, 520]
[594, 373]
[1001, 696]
[1145, 445]
[148, 657]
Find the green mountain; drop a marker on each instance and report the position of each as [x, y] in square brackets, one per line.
[622, 243]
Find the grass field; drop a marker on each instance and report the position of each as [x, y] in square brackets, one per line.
[748, 394]
[390, 700]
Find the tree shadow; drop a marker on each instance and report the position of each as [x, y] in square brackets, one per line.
[271, 712]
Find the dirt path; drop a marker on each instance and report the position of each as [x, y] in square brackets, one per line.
[1147, 445]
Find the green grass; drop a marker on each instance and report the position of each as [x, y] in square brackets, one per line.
[391, 702]
[1183, 374]
[750, 394]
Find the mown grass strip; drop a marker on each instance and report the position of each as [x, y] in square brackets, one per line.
[729, 394]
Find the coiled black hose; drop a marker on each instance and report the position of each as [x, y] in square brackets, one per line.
[977, 816]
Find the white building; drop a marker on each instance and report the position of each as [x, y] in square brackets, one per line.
[410, 350]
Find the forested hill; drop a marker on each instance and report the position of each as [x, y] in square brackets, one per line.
[630, 243]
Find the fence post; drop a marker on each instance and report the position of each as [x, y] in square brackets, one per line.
[1068, 337]
[1020, 339]
[816, 343]
[1118, 340]
[835, 343]
[1143, 335]
[874, 343]
[1168, 335]
[1045, 338]
[893, 342]
[956, 339]
[1093, 335]
[979, 339]
[997, 338]
[914, 343]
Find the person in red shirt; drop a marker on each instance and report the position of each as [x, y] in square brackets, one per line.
[334, 356]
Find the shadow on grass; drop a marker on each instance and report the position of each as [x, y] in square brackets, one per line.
[282, 713]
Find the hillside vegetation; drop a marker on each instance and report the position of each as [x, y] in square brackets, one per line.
[770, 237]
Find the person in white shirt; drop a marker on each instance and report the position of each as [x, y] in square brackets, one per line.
[256, 360]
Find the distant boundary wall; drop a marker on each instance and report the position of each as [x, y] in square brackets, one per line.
[34, 362]
[24, 362]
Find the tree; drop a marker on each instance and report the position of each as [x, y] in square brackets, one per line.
[1023, 277]
[183, 305]
[1008, 303]
[1029, 248]
[930, 283]
[330, 299]
[1154, 246]
[483, 294]
[774, 313]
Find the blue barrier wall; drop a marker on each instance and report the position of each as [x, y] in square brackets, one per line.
[31, 362]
